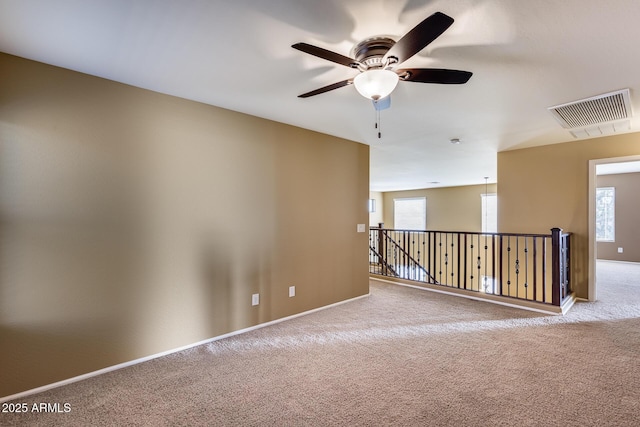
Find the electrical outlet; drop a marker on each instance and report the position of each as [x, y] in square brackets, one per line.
[292, 291]
[620, 250]
[255, 299]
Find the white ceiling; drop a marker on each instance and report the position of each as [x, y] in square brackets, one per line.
[525, 56]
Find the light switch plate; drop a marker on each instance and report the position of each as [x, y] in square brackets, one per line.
[361, 228]
[255, 299]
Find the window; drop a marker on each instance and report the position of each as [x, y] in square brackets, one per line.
[490, 213]
[410, 213]
[605, 214]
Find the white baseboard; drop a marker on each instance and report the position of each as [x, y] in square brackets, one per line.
[568, 303]
[618, 261]
[168, 352]
[456, 294]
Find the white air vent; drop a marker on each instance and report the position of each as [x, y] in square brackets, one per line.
[602, 129]
[598, 115]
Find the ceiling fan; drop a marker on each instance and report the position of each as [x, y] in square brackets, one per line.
[377, 58]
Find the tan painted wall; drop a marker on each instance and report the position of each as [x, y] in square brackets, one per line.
[377, 217]
[546, 187]
[448, 208]
[627, 231]
[132, 222]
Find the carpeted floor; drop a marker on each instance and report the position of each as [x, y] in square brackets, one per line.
[399, 357]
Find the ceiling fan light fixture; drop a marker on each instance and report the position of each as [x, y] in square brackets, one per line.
[376, 84]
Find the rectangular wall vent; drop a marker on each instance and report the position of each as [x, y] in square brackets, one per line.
[601, 129]
[607, 108]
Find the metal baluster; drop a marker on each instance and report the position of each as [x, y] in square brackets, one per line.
[414, 267]
[430, 257]
[404, 255]
[470, 264]
[458, 275]
[486, 263]
[509, 264]
[408, 255]
[494, 276]
[446, 257]
[517, 266]
[452, 259]
[479, 263]
[535, 268]
[394, 250]
[544, 269]
[420, 274]
[427, 256]
[501, 250]
[464, 261]
[440, 256]
[526, 267]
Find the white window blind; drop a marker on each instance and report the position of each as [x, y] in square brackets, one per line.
[490, 213]
[605, 214]
[410, 213]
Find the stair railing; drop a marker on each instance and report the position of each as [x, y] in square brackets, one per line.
[533, 267]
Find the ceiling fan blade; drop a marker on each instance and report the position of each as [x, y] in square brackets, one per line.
[326, 54]
[326, 88]
[434, 75]
[420, 36]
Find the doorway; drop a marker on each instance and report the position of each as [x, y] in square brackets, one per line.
[597, 167]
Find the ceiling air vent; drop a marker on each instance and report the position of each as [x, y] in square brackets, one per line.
[596, 116]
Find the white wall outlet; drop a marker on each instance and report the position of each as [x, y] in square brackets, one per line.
[255, 299]
[361, 228]
[620, 250]
[292, 291]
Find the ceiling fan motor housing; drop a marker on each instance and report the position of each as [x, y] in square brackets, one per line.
[370, 52]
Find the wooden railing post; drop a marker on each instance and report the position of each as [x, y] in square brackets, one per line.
[556, 271]
[381, 249]
[567, 261]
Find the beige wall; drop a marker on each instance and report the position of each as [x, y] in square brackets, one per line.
[448, 208]
[132, 222]
[546, 187]
[376, 217]
[627, 232]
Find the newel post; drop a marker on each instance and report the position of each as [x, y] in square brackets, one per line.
[556, 234]
[381, 244]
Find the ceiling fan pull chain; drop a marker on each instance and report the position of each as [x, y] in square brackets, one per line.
[378, 127]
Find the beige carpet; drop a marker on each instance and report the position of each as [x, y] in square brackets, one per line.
[399, 357]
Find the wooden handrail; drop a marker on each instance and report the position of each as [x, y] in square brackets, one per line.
[465, 232]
